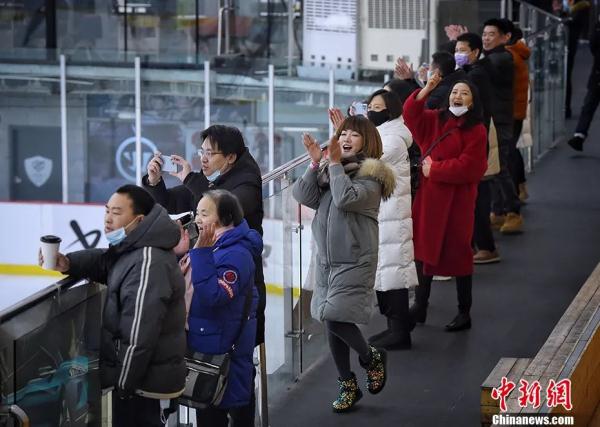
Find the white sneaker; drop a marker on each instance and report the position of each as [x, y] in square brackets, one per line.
[442, 278]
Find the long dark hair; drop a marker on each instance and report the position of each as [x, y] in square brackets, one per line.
[475, 114]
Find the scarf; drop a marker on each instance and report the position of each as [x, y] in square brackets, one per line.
[351, 166]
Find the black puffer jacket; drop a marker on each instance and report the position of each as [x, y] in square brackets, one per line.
[501, 69]
[245, 181]
[479, 75]
[143, 326]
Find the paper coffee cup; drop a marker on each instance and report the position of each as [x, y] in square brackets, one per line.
[49, 245]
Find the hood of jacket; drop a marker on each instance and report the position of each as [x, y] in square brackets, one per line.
[380, 172]
[156, 230]
[243, 235]
[244, 169]
[521, 49]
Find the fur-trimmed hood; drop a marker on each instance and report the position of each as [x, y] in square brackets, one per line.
[380, 172]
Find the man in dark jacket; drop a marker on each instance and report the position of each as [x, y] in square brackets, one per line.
[228, 165]
[143, 327]
[468, 56]
[592, 97]
[506, 203]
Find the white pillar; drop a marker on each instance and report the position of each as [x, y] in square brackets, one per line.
[63, 129]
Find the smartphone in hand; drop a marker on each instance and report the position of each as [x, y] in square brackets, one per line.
[359, 108]
[168, 165]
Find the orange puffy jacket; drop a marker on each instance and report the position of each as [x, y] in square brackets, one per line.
[520, 53]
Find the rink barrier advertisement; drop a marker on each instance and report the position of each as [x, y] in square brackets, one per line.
[81, 227]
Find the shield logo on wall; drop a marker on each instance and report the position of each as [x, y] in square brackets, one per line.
[38, 169]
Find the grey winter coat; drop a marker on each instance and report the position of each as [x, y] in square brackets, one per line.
[346, 232]
[143, 326]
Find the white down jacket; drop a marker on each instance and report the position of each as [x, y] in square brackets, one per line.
[396, 267]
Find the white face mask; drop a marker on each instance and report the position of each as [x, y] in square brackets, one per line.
[459, 111]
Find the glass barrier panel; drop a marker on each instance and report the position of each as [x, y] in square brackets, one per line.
[276, 266]
[30, 111]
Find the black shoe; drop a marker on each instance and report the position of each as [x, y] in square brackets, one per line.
[568, 113]
[418, 313]
[460, 322]
[576, 143]
[397, 338]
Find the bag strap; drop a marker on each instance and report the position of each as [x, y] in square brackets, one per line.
[245, 315]
[436, 142]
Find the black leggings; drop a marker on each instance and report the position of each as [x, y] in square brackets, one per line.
[463, 290]
[342, 336]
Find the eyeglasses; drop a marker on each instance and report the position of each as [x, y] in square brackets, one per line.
[207, 153]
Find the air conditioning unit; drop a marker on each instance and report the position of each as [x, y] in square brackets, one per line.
[353, 35]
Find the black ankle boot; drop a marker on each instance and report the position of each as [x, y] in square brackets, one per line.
[382, 333]
[418, 313]
[460, 322]
[398, 337]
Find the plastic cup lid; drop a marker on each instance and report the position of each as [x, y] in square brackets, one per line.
[50, 239]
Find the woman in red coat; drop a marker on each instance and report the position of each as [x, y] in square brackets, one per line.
[454, 145]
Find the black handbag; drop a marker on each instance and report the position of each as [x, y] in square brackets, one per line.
[207, 374]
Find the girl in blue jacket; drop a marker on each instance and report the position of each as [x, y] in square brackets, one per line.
[222, 274]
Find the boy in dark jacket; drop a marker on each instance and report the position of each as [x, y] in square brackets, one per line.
[143, 328]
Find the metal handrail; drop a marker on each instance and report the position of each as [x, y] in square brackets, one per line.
[37, 297]
[280, 171]
[544, 12]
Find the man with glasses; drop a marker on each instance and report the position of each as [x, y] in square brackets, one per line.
[227, 165]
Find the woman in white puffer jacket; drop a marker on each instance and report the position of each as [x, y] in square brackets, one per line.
[396, 271]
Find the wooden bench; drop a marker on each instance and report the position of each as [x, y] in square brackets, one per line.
[572, 351]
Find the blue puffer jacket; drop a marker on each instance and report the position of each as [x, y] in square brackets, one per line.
[221, 276]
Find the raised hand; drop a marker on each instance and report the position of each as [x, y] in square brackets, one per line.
[186, 168]
[207, 237]
[336, 117]
[312, 148]
[335, 151]
[453, 31]
[432, 83]
[155, 168]
[402, 70]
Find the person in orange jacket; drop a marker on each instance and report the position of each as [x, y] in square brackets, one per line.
[520, 53]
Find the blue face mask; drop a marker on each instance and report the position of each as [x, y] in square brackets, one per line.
[213, 177]
[117, 236]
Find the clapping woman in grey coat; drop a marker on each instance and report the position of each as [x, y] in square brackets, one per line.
[346, 191]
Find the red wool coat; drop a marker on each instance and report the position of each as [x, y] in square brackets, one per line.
[444, 208]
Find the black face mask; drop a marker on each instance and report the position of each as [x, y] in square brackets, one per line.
[378, 117]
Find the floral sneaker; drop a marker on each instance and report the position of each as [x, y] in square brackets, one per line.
[349, 395]
[376, 369]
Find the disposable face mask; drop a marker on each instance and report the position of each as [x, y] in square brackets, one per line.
[461, 59]
[459, 111]
[213, 177]
[117, 236]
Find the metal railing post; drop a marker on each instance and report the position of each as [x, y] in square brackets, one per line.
[63, 129]
[138, 122]
[206, 94]
[271, 126]
[331, 96]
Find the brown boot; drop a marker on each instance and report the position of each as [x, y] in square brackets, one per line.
[486, 257]
[523, 194]
[513, 224]
[496, 221]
